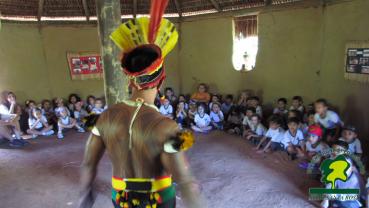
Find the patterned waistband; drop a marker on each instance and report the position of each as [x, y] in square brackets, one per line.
[141, 184]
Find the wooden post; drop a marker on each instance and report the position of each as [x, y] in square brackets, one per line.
[109, 18]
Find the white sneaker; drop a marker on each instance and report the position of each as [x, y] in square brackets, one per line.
[60, 135]
[48, 133]
[81, 130]
[34, 136]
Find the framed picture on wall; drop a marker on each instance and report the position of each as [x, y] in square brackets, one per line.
[84, 65]
[357, 61]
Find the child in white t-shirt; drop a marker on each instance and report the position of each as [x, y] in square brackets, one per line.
[80, 114]
[214, 99]
[293, 139]
[202, 121]
[314, 145]
[59, 102]
[98, 107]
[281, 108]
[255, 102]
[349, 135]
[38, 124]
[182, 98]
[329, 120]
[273, 136]
[246, 123]
[216, 116]
[166, 109]
[67, 122]
[256, 130]
[297, 104]
[192, 111]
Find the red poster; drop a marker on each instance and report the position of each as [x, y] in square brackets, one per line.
[85, 65]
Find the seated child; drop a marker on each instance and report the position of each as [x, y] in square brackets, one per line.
[214, 99]
[254, 102]
[329, 120]
[281, 108]
[244, 97]
[80, 114]
[90, 103]
[273, 136]
[216, 116]
[181, 114]
[166, 109]
[246, 123]
[349, 135]
[30, 104]
[353, 181]
[202, 120]
[182, 98]
[227, 105]
[201, 96]
[98, 107]
[72, 100]
[314, 144]
[47, 110]
[169, 93]
[38, 124]
[293, 139]
[59, 103]
[192, 111]
[256, 130]
[95, 112]
[67, 122]
[297, 104]
[234, 121]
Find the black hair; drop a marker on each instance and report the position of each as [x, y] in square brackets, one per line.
[32, 111]
[309, 113]
[284, 100]
[297, 113]
[229, 96]
[322, 101]
[88, 98]
[140, 58]
[28, 102]
[276, 119]
[253, 98]
[299, 98]
[74, 95]
[45, 101]
[252, 109]
[293, 120]
[256, 115]
[341, 144]
[168, 88]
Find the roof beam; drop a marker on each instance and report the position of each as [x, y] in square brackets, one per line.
[85, 8]
[134, 8]
[40, 9]
[216, 5]
[178, 7]
[268, 2]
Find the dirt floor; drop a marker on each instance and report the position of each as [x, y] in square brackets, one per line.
[230, 174]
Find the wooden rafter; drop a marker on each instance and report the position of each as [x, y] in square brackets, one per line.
[178, 7]
[40, 9]
[268, 2]
[134, 8]
[216, 5]
[85, 8]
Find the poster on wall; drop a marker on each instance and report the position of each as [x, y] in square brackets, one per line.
[85, 65]
[357, 61]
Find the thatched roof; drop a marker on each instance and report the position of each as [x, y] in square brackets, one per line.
[85, 9]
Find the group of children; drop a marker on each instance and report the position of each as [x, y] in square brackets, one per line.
[303, 133]
[47, 117]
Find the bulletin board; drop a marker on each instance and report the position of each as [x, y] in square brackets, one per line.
[357, 61]
[85, 65]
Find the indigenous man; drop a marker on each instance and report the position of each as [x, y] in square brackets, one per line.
[143, 146]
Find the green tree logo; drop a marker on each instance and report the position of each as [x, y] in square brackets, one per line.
[333, 170]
